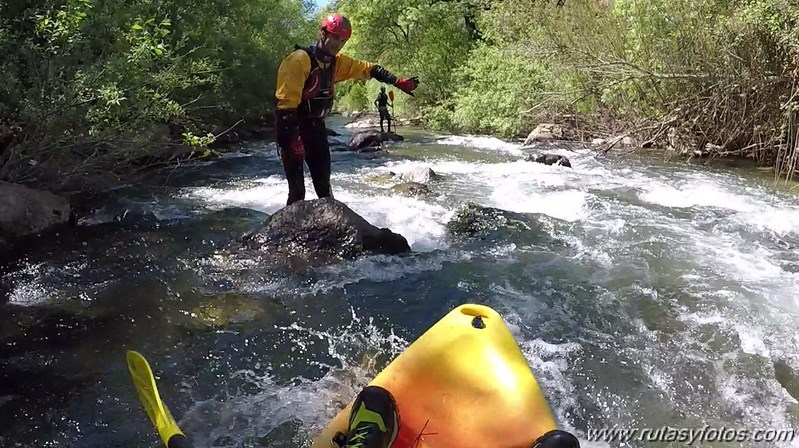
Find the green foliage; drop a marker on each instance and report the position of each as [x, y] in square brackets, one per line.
[494, 89]
[352, 96]
[123, 75]
[115, 75]
[411, 38]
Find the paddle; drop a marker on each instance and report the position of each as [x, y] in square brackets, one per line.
[159, 414]
[391, 97]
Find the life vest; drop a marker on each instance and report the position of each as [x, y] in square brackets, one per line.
[318, 91]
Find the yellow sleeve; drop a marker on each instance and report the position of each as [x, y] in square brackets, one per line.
[349, 68]
[291, 76]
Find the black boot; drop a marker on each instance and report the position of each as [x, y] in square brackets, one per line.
[374, 421]
[557, 439]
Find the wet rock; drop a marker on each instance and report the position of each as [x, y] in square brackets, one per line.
[473, 221]
[411, 189]
[421, 175]
[322, 231]
[25, 211]
[549, 159]
[787, 377]
[332, 133]
[365, 140]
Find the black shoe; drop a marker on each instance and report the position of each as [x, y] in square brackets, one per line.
[374, 421]
[557, 439]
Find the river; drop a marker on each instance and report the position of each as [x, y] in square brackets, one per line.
[642, 293]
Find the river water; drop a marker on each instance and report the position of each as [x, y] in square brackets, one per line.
[643, 294]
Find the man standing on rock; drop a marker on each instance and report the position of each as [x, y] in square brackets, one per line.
[305, 86]
[382, 106]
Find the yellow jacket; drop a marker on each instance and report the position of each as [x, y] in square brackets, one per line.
[296, 68]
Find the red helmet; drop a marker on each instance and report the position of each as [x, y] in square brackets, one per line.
[337, 24]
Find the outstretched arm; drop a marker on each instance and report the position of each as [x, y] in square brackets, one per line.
[349, 68]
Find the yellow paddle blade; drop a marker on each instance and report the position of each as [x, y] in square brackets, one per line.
[148, 395]
[391, 95]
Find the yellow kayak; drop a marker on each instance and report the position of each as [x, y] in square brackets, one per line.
[463, 384]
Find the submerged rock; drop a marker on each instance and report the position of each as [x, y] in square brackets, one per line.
[322, 231]
[381, 177]
[227, 308]
[411, 189]
[473, 221]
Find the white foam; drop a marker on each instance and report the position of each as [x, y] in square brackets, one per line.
[421, 223]
[728, 256]
[782, 221]
[519, 186]
[482, 142]
[705, 190]
[695, 194]
[752, 340]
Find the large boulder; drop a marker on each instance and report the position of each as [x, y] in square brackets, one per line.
[322, 231]
[366, 140]
[545, 132]
[420, 175]
[25, 211]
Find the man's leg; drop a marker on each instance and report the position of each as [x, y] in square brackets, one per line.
[292, 167]
[383, 116]
[317, 155]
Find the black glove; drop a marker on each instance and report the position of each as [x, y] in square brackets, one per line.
[287, 130]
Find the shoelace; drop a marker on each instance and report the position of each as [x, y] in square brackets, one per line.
[358, 439]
